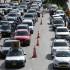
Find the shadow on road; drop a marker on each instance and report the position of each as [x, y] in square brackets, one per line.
[50, 67]
[49, 57]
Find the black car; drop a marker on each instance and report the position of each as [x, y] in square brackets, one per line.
[5, 30]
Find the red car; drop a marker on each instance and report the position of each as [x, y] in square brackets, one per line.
[23, 35]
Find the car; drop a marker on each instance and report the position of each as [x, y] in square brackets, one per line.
[15, 58]
[54, 17]
[6, 46]
[39, 2]
[33, 11]
[62, 59]
[30, 16]
[59, 44]
[5, 29]
[37, 9]
[23, 35]
[60, 12]
[24, 6]
[62, 32]
[30, 24]
[12, 15]
[57, 22]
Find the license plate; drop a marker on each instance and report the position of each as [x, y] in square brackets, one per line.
[13, 63]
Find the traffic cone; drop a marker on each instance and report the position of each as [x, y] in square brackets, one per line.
[34, 53]
[38, 36]
[41, 22]
[37, 42]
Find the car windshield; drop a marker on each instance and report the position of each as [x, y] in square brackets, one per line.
[62, 30]
[11, 19]
[28, 23]
[60, 44]
[5, 27]
[63, 54]
[21, 27]
[28, 16]
[2, 6]
[12, 15]
[7, 44]
[15, 52]
[3, 23]
[22, 33]
[58, 22]
[31, 11]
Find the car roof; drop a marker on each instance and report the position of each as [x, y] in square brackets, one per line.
[21, 30]
[60, 10]
[11, 40]
[61, 27]
[27, 20]
[61, 50]
[59, 40]
[22, 25]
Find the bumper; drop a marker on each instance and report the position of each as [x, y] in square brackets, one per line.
[60, 66]
[13, 64]
[5, 34]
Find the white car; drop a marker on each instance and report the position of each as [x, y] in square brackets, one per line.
[30, 24]
[57, 22]
[15, 58]
[6, 46]
[62, 32]
[60, 12]
[59, 44]
[62, 59]
[55, 17]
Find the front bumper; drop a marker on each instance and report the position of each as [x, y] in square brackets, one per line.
[14, 63]
[61, 65]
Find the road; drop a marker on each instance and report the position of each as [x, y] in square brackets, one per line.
[43, 60]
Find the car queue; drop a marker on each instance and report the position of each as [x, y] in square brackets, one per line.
[60, 49]
[18, 25]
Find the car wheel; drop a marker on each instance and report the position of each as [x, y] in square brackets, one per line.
[54, 67]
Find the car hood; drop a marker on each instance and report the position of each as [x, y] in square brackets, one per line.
[63, 59]
[15, 58]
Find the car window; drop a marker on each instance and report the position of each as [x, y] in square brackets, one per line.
[62, 30]
[26, 16]
[7, 44]
[29, 23]
[60, 44]
[58, 22]
[12, 15]
[63, 54]
[15, 52]
[21, 27]
[21, 33]
[5, 27]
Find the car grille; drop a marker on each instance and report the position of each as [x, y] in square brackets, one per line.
[63, 63]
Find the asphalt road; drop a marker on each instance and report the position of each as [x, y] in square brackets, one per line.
[43, 60]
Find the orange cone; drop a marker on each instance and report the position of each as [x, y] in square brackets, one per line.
[41, 22]
[38, 36]
[37, 42]
[34, 53]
